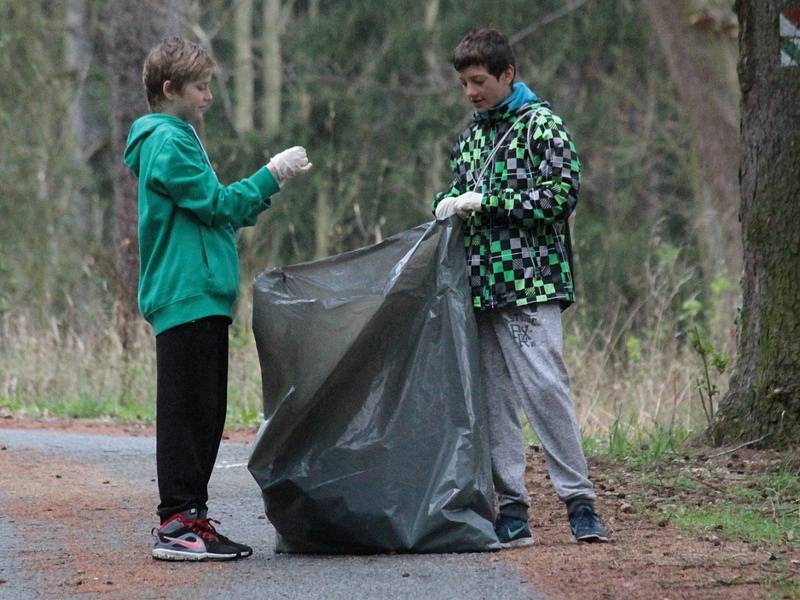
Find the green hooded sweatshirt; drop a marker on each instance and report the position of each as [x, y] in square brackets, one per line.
[188, 262]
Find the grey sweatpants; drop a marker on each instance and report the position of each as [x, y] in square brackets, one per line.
[523, 367]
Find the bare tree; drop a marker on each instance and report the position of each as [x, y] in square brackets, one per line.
[133, 27]
[274, 17]
[323, 214]
[86, 129]
[243, 67]
[435, 147]
[763, 401]
[272, 69]
[701, 57]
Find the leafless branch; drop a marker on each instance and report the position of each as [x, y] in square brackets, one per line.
[547, 19]
[734, 449]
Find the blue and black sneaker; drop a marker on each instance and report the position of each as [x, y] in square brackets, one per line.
[512, 532]
[586, 525]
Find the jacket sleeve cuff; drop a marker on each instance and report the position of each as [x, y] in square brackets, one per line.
[265, 182]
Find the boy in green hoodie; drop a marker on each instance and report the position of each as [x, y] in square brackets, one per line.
[188, 282]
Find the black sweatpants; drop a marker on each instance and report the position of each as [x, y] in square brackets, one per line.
[192, 382]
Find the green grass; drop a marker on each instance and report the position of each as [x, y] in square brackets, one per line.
[628, 442]
[238, 416]
[637, 445]
[784, 588]
[92, 408]
[766, 510]
[738, 523]
[82, 407]
[760, 507]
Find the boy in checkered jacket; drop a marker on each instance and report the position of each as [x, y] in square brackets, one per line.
[516, 179]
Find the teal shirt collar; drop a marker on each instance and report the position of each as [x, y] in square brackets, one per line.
[520, 95]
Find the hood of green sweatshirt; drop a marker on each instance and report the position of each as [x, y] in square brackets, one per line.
[141, 129]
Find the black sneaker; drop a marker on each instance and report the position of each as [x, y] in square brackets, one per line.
[512, 532]
[183, 538]
[586, 525]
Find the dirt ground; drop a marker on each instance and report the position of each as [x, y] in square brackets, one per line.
[108, 565]
[80, 564]
[648, 557]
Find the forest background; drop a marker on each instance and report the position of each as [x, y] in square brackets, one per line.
[650, 96]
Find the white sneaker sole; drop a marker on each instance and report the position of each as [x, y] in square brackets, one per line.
[526, 541]
[166, 554]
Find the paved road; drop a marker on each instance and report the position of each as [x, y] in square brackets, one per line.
[61, 543]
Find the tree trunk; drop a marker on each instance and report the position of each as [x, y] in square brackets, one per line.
[85, 128]
[323, 221]
[133, 28]
[272, 68]
[85, 117]
[434, 148]
[270, 115]
[323, 214]
[764, 394]
[701, 61]
[433, 60]
[243, 68]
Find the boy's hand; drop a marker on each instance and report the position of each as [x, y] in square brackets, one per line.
[467, 203]
[289, 163]
[446, 207]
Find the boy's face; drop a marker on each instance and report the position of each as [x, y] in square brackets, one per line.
[483, 89]
[192, 101]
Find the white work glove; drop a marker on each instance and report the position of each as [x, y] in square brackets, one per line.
[289, 163]
[446, 207]
[467, 203]
[461, 205]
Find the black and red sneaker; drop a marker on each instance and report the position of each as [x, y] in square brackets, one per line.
[184, 538]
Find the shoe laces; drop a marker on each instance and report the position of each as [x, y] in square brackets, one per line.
[205, 529]
[585, 515]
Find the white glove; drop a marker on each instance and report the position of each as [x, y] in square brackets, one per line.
[289, 163]
[461, 205]
[446, 207]
[467, 203]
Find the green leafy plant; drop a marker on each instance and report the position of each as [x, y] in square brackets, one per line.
[711, 359]
[637, 444]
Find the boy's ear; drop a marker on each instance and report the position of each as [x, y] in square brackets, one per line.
[508, 75]
[168, 89]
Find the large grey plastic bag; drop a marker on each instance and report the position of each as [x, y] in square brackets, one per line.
[375, 435]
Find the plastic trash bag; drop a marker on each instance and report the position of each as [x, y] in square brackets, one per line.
[374, 437]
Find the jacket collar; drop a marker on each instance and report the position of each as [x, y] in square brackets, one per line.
[521, 95]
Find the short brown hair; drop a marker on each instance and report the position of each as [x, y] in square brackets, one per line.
[177, 60]
[487, 48]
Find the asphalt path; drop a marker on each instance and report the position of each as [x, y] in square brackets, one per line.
[236, 501]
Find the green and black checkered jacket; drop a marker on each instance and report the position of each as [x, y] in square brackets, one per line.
[517, 246]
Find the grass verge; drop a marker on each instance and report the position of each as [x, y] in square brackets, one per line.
[717, 495]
